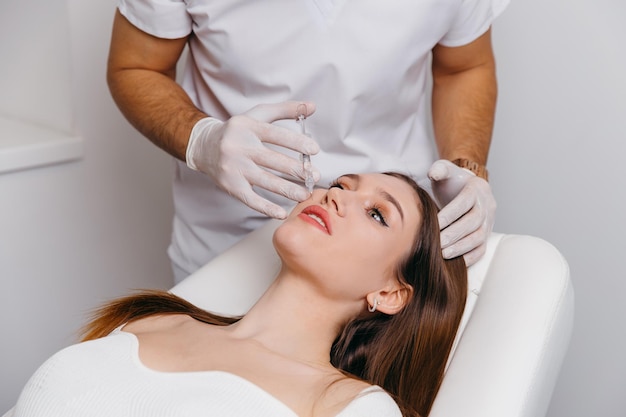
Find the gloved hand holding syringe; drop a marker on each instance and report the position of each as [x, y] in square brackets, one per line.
[234, 154]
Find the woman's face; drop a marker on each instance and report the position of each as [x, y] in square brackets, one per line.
[352, 237]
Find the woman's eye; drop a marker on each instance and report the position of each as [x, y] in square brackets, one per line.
[336, 185]
[377, 215]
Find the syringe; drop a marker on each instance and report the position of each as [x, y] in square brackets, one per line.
[306, 159]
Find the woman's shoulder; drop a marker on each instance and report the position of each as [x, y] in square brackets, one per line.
[361, 399]
[371, 401]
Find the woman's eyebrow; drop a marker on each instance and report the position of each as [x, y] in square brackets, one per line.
[393, 201]
[354, 177]
[388, 197]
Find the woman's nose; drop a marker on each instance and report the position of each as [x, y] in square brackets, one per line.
[334, 199]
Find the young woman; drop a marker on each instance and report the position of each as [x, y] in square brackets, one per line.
[359, 322]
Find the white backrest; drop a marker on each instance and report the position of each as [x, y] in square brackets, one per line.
[233, 281]
[511, 351]
[512, 339]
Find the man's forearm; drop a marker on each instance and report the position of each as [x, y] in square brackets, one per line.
[141, 72]
[156, 106]
[464, 99]
[463, 113]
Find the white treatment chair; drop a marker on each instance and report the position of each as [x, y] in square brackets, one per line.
[512, 340]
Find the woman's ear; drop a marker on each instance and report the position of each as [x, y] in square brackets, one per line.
[390, 300]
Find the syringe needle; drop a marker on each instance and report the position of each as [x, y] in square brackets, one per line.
[306, 159]
[308, 174]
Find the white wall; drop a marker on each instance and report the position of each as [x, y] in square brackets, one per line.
[32, 56]
[556, 161]
[74, 234]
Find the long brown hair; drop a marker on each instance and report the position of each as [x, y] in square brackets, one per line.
[405, 353]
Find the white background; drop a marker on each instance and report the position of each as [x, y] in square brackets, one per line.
[75, 234]
[556, 164]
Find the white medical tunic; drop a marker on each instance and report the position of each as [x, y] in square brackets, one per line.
[365, 64]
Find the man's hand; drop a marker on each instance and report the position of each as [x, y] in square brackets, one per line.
[468, 214]
[234, 155]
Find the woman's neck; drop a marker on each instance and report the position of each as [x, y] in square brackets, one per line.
[292, 319]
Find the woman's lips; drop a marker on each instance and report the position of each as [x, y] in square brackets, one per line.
[317, 216]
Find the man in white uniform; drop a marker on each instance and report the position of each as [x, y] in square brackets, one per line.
[362, 69]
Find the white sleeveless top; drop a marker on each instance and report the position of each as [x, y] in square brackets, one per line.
[105, 378]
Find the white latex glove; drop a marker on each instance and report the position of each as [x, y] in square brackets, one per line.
[233, 154]
[468, 210]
